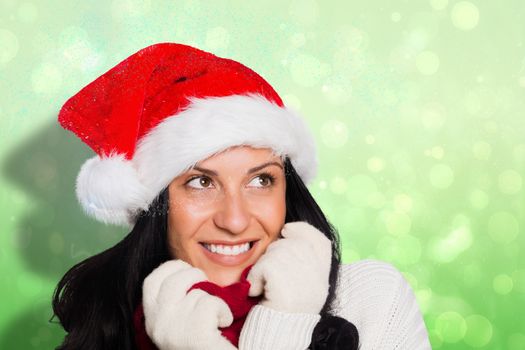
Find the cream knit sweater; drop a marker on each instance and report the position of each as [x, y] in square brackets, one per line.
[371, 294]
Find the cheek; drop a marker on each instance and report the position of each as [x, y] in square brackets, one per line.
[183, 223]
[271, 214]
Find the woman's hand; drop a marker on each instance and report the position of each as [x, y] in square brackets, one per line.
[179, 320]
[294, 271]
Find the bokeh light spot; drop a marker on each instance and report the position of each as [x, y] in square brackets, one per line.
[334, 133]
[465, 15]
[502, 284]
[441, 176]
[375, 164]
[427, 62]
[432, 118]
[482, 150]
[451, 326]
[338, 185]
[510, 182]
[403, 203]
[447, 248]
[395, 17]
[479, 331]
[398, 224]
[503, 227]
[437, 152]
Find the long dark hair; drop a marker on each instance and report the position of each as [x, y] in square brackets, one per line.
[96, 298]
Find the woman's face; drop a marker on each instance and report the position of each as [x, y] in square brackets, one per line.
[224, 205]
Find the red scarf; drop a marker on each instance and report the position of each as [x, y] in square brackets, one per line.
[235, 295]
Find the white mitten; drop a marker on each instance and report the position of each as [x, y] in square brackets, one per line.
[294, 271]
[179, 320]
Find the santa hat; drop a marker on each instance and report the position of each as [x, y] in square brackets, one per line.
[163, 109]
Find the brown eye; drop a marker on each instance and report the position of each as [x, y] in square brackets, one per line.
[202, 182]
[264, 180]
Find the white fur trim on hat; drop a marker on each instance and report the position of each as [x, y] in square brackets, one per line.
[109, 190]
[115, 187]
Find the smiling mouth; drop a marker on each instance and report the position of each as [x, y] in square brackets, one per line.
[229, 250]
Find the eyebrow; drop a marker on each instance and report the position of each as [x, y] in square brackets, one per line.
[250, 171]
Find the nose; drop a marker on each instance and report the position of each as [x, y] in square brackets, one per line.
[232, 213]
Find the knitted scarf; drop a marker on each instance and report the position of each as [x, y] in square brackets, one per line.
[235, 295]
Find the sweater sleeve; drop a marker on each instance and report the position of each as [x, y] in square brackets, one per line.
[377, 299]
[267, 329]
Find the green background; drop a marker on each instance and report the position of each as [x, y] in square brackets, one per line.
[417, 108]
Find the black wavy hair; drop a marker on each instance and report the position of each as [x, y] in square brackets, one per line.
[95, 300]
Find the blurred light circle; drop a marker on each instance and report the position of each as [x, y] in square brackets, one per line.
[403, 203]
[465, 15]
[510, 182]
[398, 224]
[451, 326]
[338, 185]
[395, 16]
[334, 133]
[502, 284]
[479, 331]
[482, 150]
[375, 164]
[432, 118]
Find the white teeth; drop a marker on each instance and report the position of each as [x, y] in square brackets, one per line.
[228, 250]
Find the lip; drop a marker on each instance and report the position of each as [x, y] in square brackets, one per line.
[230, 260]
[230, 243]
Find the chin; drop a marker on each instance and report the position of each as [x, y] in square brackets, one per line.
[227, 278]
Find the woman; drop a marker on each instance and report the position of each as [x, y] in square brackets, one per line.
[228, 249]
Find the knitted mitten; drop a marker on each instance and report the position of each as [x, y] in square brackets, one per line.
[294, 271]
[178, 319]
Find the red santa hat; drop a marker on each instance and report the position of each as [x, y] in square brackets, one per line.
[163, 109]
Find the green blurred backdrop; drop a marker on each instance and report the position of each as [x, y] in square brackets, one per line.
[418, 108]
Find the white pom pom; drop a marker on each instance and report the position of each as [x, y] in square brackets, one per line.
[109, 190]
